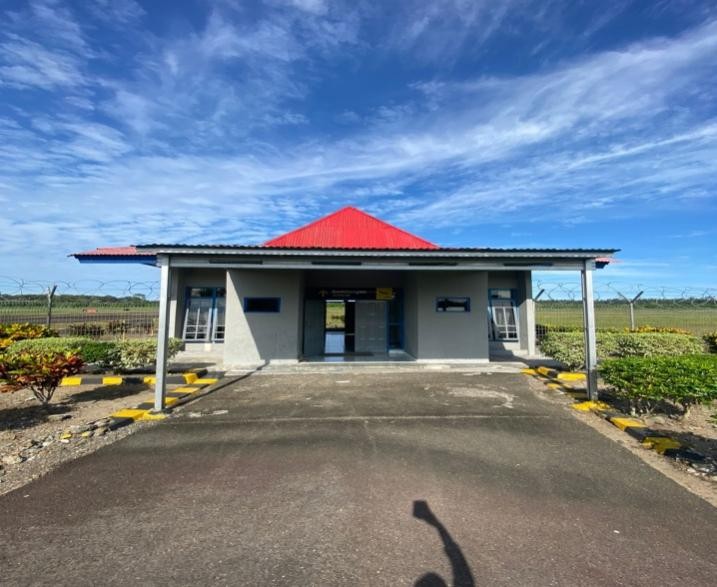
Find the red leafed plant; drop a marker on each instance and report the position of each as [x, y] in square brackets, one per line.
[41, 372]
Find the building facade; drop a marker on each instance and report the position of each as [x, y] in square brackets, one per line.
[351, 287]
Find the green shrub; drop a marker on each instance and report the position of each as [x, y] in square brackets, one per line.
[568, 347]
[657, 344]
[10, 333]
[711, 341]
[134, 354]
[40, 371]
[646, 382]
[90, 351]
[118, 355]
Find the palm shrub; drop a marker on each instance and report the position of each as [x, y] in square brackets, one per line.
[42, 372]
[648, 382]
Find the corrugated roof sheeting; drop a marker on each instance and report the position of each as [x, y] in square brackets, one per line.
[349, 228]
[344, 233]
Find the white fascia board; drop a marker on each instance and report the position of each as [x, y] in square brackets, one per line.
[464, 266]
[259, 253]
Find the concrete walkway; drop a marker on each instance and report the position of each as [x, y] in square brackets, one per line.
[415, 478]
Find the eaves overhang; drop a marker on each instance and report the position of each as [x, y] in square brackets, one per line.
[434, 260]
[472, 253]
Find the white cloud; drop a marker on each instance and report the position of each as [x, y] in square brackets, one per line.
[26, 63]
[57, 19]
[189, 140]
[116, 11]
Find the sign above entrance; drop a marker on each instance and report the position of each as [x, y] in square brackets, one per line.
[384, 293]
[347, 293]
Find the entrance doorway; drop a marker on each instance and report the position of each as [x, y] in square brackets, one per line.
[353, 327]
[352, 323]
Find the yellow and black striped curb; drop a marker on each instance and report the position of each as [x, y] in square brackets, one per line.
[172, 379]
[145, 410]
[649, 438]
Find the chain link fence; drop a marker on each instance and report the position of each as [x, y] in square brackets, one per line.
[559, 305]
[97, 309]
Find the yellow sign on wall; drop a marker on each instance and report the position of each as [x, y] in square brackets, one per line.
[384, 293]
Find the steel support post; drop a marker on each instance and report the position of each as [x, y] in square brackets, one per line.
[589, 328]
[160, 385]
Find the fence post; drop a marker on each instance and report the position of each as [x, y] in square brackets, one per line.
[50, 298]
[631, 306]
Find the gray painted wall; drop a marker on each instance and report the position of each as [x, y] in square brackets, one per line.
[254, 338]
[410, 314]
[447, 335]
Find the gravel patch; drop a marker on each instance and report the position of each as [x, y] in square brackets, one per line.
[34, 441]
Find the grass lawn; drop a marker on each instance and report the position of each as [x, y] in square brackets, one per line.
[697, 319]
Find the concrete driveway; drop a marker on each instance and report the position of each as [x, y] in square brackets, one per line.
[358, 478]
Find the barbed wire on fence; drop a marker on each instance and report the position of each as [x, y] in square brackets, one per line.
[130, 308]
[91, 308]
[116, 288]
[561, 291]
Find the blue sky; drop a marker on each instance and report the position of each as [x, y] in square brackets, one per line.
[514, 123]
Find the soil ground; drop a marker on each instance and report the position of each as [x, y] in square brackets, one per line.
[30, 443]
[697, 429]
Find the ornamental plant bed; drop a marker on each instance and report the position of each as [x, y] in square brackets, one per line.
[30, 435]
[118, 356]
[676, 396]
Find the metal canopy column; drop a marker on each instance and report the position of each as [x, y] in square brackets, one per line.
[160, 384]
[589, 329]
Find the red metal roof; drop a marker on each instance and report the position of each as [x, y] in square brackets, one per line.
[349, 228]
[114, 252]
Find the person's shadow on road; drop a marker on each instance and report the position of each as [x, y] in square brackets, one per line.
[462, 575]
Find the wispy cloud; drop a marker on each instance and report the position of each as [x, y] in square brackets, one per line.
[242, 123]
[26, 63]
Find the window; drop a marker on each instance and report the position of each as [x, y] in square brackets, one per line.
[453, 304]
[270, 305]
[503, 314]
[204, 314]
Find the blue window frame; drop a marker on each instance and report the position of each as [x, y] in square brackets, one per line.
[204, 314]
[453, 304]
[262, 305]
[503, 314]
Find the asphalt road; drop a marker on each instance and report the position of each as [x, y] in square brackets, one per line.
[361, 479]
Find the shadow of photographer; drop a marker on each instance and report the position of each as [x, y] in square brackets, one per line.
[462, 574]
